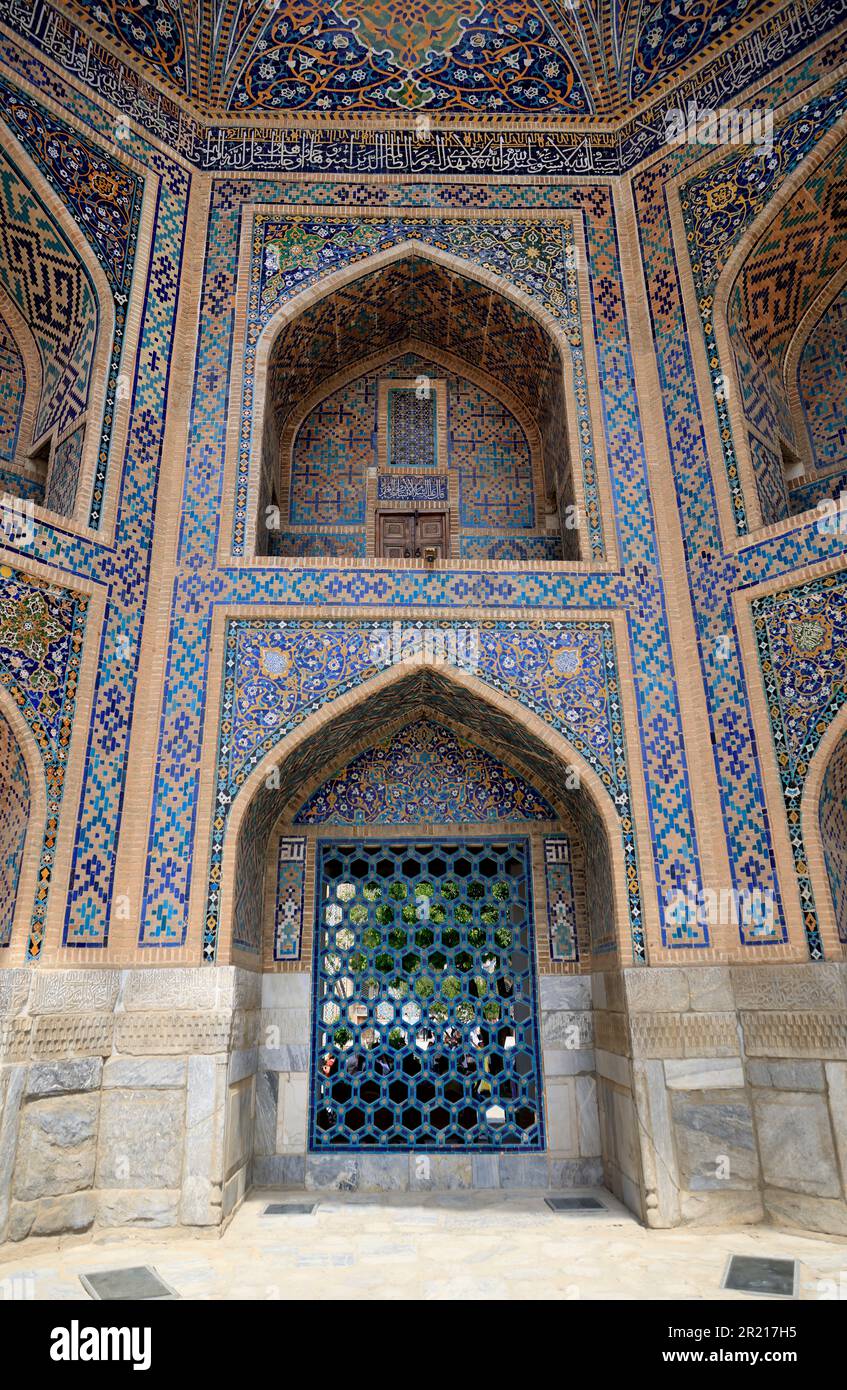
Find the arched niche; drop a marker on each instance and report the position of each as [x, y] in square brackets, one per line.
[443, 307]
[58, 310]
[23, 801]
[832, 827]
[495, 722]
[787, 269]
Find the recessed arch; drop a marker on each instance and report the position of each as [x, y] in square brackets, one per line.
[522, 737]
[783, 264]
[16, 327]
[24, 798]
[824, 826]
[570, 482]
[72, 285]
[493, 472]
[817, 392]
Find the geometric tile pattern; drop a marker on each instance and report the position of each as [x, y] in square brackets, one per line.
[490, 450]
[561, 906]
[832, 813]
[101, 193]
[802, 639]
[770, 481]
[423, 773]
[51, 289]
[718, 206]
[14, 784]
[425, 1024]
[821, 383]
[41, 635]
[487, 448]
[248, 902]
[64, 473]
[104, 198]
[290, 886]
[548, 547]
[635, 589]
[334, 446]
[21, 485]
[833, 826]
[316, 543]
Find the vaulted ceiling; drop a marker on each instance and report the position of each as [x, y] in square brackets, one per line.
[554, 58]
[415, 298]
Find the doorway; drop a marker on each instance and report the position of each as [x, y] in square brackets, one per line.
[412, 536]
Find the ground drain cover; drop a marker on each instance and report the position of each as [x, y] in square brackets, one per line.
[760, 1274]
[575, 1204]
[290, 1209]
[123, 1285]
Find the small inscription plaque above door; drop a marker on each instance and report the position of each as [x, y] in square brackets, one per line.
[412, 487]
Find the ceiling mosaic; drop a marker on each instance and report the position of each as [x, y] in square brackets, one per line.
[554, 58]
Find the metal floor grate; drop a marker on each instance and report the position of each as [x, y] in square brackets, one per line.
[290, 1209]
[126, 1285]
[575, 1204]
[761, 1274]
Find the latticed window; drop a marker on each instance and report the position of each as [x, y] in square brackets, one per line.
[412, 439]
[424, 1011]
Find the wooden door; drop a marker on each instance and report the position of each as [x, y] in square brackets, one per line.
[431, 534]
[396, 535]
[408, 535]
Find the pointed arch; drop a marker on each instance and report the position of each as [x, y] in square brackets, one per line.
[774, 276]
[20, 389]
[522, 737]
[407, 248]
[824, 826]
[63, 296]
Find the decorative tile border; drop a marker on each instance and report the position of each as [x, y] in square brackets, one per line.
[537, 151]
[290, 890]
[561, 905]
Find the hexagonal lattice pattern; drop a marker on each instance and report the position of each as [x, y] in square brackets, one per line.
[424, 1030]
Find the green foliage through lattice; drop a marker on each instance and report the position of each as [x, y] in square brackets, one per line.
[424, 1028]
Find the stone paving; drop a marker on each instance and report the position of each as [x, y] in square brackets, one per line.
[435, 1246]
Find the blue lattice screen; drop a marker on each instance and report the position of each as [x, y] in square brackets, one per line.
[424, 1023]
[412, 439]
